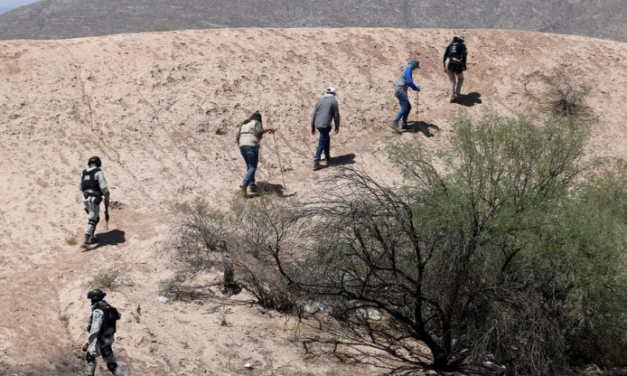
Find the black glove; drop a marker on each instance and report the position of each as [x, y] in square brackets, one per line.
[107, 214]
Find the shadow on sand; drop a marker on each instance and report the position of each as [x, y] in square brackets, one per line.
[268, 189]
[469, 100]
[422, 127]
[113, 237]
[342, 160]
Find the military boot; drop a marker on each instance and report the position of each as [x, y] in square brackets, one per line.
[85, 244]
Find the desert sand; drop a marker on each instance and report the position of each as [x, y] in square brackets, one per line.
[162, 109]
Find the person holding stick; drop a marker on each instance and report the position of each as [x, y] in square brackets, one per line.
[248, 138]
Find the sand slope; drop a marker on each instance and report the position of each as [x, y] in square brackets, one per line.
[161, 110]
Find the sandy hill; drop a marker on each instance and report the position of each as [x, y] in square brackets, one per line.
[161, 111]
[55, 19]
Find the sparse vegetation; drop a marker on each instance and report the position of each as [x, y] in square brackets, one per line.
[110, 278]
[231, 352]
[558, 94]
[64, 318]
[222, 316]
[176, 291]
[502, 248]
[71, 239]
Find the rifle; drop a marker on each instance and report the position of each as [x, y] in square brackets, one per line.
[107, 217]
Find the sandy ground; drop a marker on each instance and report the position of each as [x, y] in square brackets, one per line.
[161, 109]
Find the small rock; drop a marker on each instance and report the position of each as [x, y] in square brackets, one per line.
[369, 314]
[592, 369]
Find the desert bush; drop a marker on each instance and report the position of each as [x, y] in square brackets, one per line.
[269, 230]
[186, 293]
[110, 278]
[503, 247]
[494, 249]
[71, 239]
[197, 237]
[558, 94]
[251, 233]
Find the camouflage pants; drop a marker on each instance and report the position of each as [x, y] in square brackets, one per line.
[102, 347]
[92, 207]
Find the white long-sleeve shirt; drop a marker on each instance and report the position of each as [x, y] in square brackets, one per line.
[96, 323]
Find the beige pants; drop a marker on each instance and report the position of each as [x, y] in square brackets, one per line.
[457, 80]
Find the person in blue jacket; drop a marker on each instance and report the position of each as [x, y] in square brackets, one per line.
[404, 81]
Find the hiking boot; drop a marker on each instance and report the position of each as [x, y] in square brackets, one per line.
[85, 244]
[316, 166]
[253, 189]
[394, 125]
[93, 239]
[243, 190]
[405, 127]
[327, 162]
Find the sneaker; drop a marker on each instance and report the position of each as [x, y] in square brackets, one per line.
[394, 125]
[253, 189]
[316, 166]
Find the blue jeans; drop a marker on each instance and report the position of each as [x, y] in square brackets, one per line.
[405, 108]
[324, 144]
[251, 156]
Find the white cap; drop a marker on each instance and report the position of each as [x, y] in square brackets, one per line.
[331, 90]
[460, 37]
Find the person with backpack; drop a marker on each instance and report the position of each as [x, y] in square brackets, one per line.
[454, 65]
[403, 82]
[94, 187]
[248, 138]
[326, 112]
[101, 329]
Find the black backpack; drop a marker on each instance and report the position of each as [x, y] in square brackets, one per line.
[110, 318]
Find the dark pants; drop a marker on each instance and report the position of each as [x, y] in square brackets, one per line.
[405, 108]
[251, 156]
[324, 144]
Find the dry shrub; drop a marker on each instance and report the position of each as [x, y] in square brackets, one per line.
[558, 94]
[252, 232]
[501, 255]
[176, 291]
[110, 278]
[71, 239]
